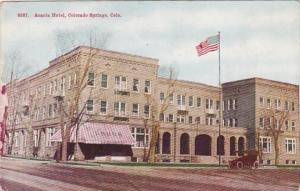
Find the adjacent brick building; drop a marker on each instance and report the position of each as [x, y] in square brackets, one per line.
[123, 88]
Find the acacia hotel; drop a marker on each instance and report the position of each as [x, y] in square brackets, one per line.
[123, 93]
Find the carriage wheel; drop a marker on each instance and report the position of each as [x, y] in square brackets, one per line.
[239, 165]
[255, 165]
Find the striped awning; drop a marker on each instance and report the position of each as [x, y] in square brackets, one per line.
[99, 133]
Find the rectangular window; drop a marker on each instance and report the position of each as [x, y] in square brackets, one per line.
[217, 105]
[235, 122]
[16, 139]
[147, 86]
[147, 111]
[276, 121]
[104, 81]
[234, 104]
[180, 118]
[209, 103]
[293, 126]
[90, 81]
[286, 105]
[90, 105]
[286, 125]
[51, 88]
[135, 109]
[261, 101]
[268, 103]
[135, 86]
[49, 134]
[141, 137]
[209, 121]
[103, 107]
[161, 97]
[120, 108]
[161, 117]
[191, 101]
[180, 99]
[198, 120]
[261, 122]
[265, 144]
[170, 118]
[171, 98]
[198, 102]
[277, 103]
[120, 83]
[293, 106]
[69, 82]
[290, 145]
[63, 85]
[190, 119]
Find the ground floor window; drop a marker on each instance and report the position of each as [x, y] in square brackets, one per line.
[36, 138]
[290, 146]
[265, 144]
[49, 133]
[141, 136]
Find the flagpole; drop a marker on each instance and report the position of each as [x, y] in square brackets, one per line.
[220, 98]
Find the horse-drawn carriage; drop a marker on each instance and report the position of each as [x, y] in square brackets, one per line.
[248, 160]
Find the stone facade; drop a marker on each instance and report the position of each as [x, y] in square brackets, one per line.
[120, 89]
[263, 105]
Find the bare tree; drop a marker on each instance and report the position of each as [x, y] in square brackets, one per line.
[158, 108]
[72, 118]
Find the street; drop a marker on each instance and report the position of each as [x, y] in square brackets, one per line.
[19, 174]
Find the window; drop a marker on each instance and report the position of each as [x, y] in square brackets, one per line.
[135, 86]
[261, 122]
[198, 102]
[293, 161]
[234, 104]
[75, 78]
[293, 106]
[63, 82]
[161, 97]
[198, 120]
[261, 101]
[277, 103]
[36, 138]
[230, 122]
[276, 121]
[191, 101]
[120, 108]
[70, 82]
[171, 98]
[147, 86]
[55, 85]
[147, 111]
[91, 76]
[16, 139]
[135, 109]
[209, 121]
[209, 103]
[217, 105]
[49, 134]
[290, 145]
[180, 118]
[190, 119]
[170, 118]
[265, 144]
[51, 88]
[120, 83]
[161, 117]
[141, 137]
[223, 105]
[180, 99]
[286, 124]
[286, 105]
[268, 103]
[235, 122]
[293, 126]
[103, 107]
[50, 111]
[90, 105]
[104, 81]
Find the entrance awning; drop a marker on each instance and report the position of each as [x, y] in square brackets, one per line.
[99, 133]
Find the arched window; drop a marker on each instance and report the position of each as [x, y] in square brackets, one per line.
[203, 145]
[232, 146]
[220, 145]
[166, 147]
[184, 144]
[241, 145]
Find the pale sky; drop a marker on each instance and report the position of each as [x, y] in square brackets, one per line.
[258, 39]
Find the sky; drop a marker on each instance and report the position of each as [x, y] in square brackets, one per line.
[258, 39]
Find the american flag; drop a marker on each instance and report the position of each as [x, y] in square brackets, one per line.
[210, 44]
